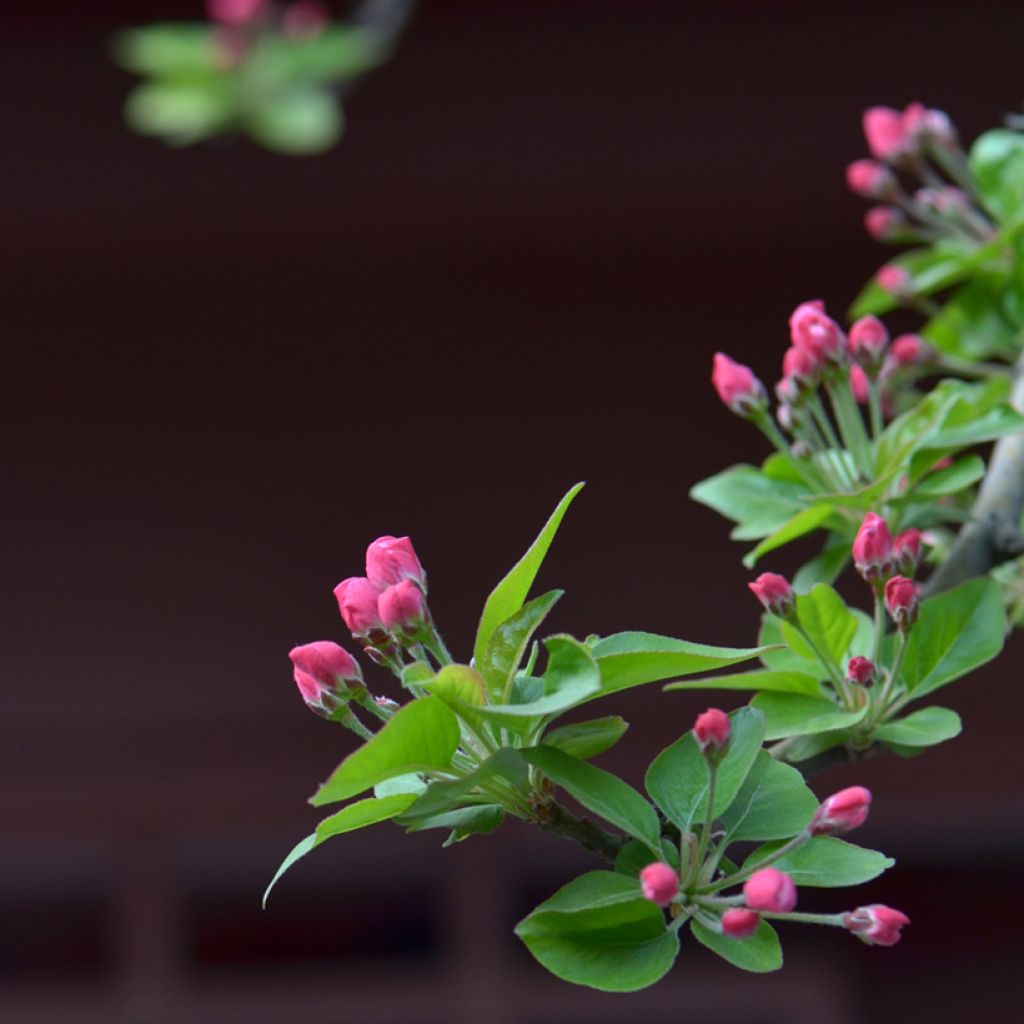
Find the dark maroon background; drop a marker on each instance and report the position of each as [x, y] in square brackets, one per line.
[226, 371]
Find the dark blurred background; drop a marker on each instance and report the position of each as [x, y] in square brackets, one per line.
[226, 371]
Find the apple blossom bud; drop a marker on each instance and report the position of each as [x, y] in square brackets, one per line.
[921, 123]
[877, 924]
[330, 665]
[739, 923]
[318, 697]
[304, 19]
[841, 812]
[868, 339]
[812, 329]
[907, 350]
[801, 366]
[737, 386]
[870, 179]
[894, 279]
[403, 610]
[389, 560]
[873, 555]
[901, 599]
[235, 12]
[885, 133]
[946, 201]
[357, 601]
[712, 730]
[775, 593]
[861, 671]
[907, 547]
[884, 223]
[660, 883]
[770, 889]
[859, 384]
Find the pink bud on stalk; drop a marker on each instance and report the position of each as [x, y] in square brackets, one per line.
[660, 883]
[357, 601]
[860, 386]
[907, 350]
[841, 812]
[712, 730]
[877, 924]
[907, 548]
[739, 923]
[882, 223]
[886, 133]
[868, 339]
[813, 330]
[775, 593]
[403, 610]
[737, 386]
[770, 889]
[870, 179]
[901, 599]
[323, 673]
[389, 560]
[235, 12]
[894, 279]
[873, 555]
[922, 123]
[861, 671]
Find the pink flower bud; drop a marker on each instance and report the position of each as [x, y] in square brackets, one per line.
[389, 560]
[660, 883]
[921, 123]
[314, 693]
[357, 601]
[907, 547]
[877, 924]
[901, 598]
[861, 671]
[872, 548]
[330, 665]
[841, 812]
[870, 179]
[712, 731]
[893, 279]
[235, 12]
[770, 889]
[774, 592]
[801, 365]
[739, 923]
[304, 19]
[946, 200]
[885, 133]
[859, 384]
[737, 386]
[811, 328]
[868, 339]
[883, 223]
[908, 350]
[403, 609]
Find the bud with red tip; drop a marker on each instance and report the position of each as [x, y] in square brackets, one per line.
[737, 386]
[884, 223]
[357, 601]
[389, 560]
[403, 610]
[770, 889]
[886, 134]
[894, 279]
[235, 12]
[907, 350]
[924, 124]
[841, 812]
[712, 730]
[812, 329]
[907, 548]
[860, 386]
[775, 593]
[901, 599]
[873, 555]
[660, 883]
[739, 923]
[870, 179]
[331, 665]
[868, 339]
[877, 924]
[861, 671]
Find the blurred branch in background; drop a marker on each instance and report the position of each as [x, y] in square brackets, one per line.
[274, 72]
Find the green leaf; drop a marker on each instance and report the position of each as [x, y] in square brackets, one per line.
[778, 657]
[678, 778]
[181, 112]
[599, 931]
[978, 322]
[804, 522]
[421, 736]
[635, 856]
[479, 819]
[297, 122]
[924, 728]
[997, 163]
[355, 816]
[760, 679]
[338, 52]
[759, 502]
[773, 803]
[457, 684]
[793, 714]
[509, 595]
[508, 644]
[585, 740]
[440, 797]
[167, 50]
[826, 620]
[957, 631]
[993, 424]
[760, 952]
[825, 862]
[951, 480]
[632, 659]
[824, 567]
[599, 791]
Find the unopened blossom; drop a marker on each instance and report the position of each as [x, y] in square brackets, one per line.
[712, 730]
[771, 890]
[842, 811]
[873, 555]
[389, 560]
[901, 599]
[811, 328]
[774, 592]
[737, 386]
[740, 923]
[357, 601]
[660, 883]
[877, 924]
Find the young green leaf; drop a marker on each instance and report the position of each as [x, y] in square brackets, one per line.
[997, 163]
[759, 953]
[758, 502]
[924, 728]
[421, 736]
[635, 856]
[826, 620]
[760, 679]
[508, 643]
[805, 521]
[300, 120]
[825, 862]
[962, 474]
[793, 714]
[774, 802]
[506, 764]
[585, 740]
[479, 819]
[509, 595]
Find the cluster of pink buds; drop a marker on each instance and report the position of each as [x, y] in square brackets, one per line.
[918, 174]
[885, 560]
